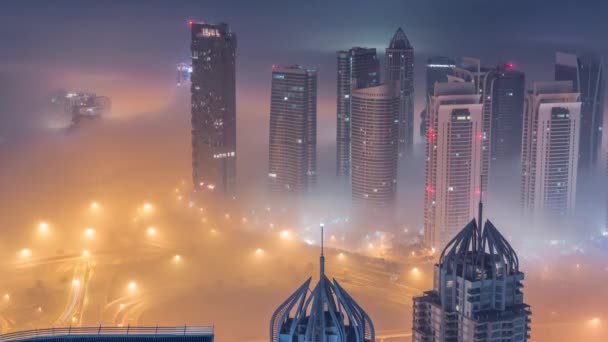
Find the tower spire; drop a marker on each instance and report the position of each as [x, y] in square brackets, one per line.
[477, 241]
[322, 259]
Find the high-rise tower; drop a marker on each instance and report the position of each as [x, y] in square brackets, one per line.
[477, 292]
[292, 163]
[399, 65]
[375, 112]
[507, 96]
[357, 68]
[213, 107]
[453, 166]
[587, 77]
[437, 71]
[550, 149]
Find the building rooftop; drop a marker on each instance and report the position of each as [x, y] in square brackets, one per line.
[53, 333]
[400, 41]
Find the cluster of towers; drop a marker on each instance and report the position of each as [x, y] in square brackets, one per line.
[374, 119]
[479, 120]
[374, 123]
[475, 120]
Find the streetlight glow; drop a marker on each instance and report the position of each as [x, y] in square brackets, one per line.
[43, 227]
[151, 231]
[132, 286]
[25, 252]
[89, 232]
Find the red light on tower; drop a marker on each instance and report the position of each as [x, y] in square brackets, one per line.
[190, 22]
[510, 65]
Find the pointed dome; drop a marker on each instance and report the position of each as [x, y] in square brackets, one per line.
[400, 41]
[479, 254]
[328, 313]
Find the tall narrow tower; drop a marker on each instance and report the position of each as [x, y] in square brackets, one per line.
[357, 68]
[399, 64]
[292, 162]
[437, 71]
[375, 112]
[507, 90]
[453, 166]
[213, 107]
[587, 76]
[550, 149]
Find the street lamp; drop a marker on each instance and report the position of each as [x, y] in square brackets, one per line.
[43, 227]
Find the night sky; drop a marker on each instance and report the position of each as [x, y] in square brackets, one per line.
[114, 40]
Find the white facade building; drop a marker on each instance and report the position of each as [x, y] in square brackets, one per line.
[550, 149]
[453, 165]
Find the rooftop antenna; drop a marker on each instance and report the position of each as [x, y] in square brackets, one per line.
[480, 213]
[322, 268]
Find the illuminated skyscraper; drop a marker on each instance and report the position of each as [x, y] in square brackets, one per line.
[437, 71]
[502, 95]
[483, 79]
[357, 68]
[327, 313]
[293, 129]
[587, 77]
[477, 292]
[213, 107]
[453, 165]
[375, 128]
[399, 64]
[550, 149]
[507, 91]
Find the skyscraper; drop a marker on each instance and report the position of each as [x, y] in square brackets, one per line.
[399, 64]
[550, 149]
[213, 107]
[507, 96]
[437, 70]
[587, 76]
[476, 294]
[453, 165]
[328, 313]
[483, 78]
[293, 129]
[502, 95]
[375, 112]
[357, 68]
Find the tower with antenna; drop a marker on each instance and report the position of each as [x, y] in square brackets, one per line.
[327, 313]
[477, 293]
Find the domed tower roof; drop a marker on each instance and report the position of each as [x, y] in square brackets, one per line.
[400, 41]
[328, 313]
[479, 254]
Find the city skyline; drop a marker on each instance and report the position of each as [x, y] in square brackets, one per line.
[138, 201]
